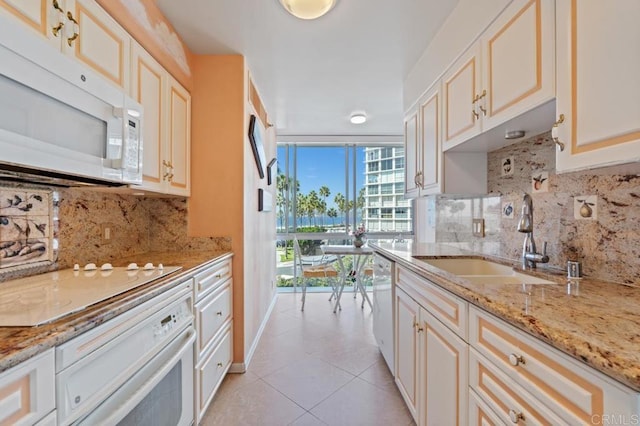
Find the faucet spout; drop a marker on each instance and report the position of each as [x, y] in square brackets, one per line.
[530, 257]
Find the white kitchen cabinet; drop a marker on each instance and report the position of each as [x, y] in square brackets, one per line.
[213, 310]
[27, 391]
[431, 358]
[443, 373]
[94, 38]
[598, 89]
[167, 123]
[178, 149]
[515, 372]
[411, 154]
[507, 72]
[80, 28]
[45, 17]
[429, 170]
[406, 354]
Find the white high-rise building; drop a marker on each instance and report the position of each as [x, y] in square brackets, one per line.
[385, 209]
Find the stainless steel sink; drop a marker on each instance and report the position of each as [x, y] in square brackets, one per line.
[480, 271]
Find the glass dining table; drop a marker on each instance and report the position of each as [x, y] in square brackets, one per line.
[360, 257]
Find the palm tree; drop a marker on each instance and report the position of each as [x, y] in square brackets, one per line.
[324, 193]
[313, 201]
[340, 202]
[332, 213]
[360, 201]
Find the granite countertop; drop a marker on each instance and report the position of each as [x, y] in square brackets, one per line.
[20, 343]
[593, 321]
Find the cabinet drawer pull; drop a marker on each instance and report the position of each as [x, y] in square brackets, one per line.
[218, 275]
[516, 360]
[220, 364]
[219, 313]
[475, 114]
[515, 416]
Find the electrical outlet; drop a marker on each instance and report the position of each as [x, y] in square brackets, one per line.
[477, 227]
[106, 232]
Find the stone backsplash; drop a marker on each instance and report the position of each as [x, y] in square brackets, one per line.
[137, 225]
[607, 243]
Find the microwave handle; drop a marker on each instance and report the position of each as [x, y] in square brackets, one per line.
[123, 115]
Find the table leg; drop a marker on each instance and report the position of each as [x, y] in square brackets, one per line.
[361, 261]
[343, 278]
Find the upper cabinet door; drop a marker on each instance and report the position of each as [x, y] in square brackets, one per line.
[518, 61]
[461, 87]
[94, 38]
[411, 155]
[598, 83]
[179, 138]
[45, 17]
[148, 86]
[430, 163]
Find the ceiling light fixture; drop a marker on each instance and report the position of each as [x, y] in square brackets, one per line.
[358, 118]
[308, 9]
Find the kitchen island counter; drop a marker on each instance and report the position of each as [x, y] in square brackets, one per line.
[595, 322]
[21, 343]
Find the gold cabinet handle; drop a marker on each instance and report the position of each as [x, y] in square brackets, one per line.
[482, 108]
[75, 35]
[420, 178]
[56, 7]
[219, 313]
[554, 132]
[515, 416]
[475, 114]
[416, 325]
[220, 365]
[516, 360]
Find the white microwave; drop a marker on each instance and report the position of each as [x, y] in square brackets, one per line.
[60, 119]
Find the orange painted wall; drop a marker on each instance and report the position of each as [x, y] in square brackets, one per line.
[216, 205]
[145, 22]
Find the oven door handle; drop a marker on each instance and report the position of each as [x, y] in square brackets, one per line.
[112, 410]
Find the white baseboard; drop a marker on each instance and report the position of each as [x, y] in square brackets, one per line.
[241, 367]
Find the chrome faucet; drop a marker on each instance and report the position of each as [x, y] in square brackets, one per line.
[529, 255]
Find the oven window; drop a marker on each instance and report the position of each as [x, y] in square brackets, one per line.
[162, 406]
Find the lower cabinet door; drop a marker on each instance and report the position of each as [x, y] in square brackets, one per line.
[406, 359]
[27, 391]
[443, 373]
[211, 370]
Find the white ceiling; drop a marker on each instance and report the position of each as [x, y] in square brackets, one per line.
[312, 75]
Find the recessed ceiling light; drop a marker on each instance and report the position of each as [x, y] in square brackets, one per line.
[358, 118]
[308, 9]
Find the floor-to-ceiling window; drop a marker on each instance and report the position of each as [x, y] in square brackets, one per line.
[325, 192]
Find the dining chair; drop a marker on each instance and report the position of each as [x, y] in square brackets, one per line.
[314, 267]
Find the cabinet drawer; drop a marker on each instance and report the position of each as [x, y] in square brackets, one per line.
[479, 412]
[27, 391]
[211, 371]
[449, 309]
[211, 313]
[508, 400]
[575, 392]
[212, 276]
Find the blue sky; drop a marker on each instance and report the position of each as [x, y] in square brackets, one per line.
[318, 166]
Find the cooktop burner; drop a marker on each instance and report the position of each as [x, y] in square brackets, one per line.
[44, 298]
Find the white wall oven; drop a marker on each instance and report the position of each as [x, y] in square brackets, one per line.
[136, 369]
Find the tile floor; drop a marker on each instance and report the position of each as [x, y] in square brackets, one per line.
[312, 368]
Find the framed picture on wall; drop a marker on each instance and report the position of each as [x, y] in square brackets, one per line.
[255, 137]
[272, 171]
[265, 200]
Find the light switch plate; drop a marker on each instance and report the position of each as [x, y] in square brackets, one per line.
[477, 227]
